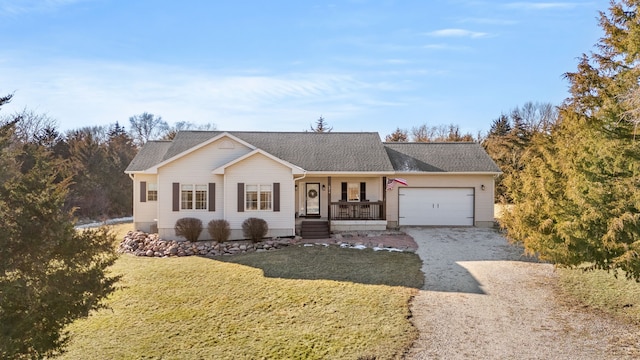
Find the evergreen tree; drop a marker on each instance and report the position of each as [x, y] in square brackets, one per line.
[50, 274]
[399, 135]
[500, 126]
[577, 200]
[321, 126]
[120, 150]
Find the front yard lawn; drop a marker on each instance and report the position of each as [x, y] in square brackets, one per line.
[313, 303]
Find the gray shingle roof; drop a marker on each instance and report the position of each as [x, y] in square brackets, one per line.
[440, 157]
[311, 151]
[152, 153]
[334, 152]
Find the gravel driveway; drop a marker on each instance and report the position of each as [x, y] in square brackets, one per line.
[483, 300]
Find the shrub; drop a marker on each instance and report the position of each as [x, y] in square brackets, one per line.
[189, 228]
[255, 229]
[219, 230]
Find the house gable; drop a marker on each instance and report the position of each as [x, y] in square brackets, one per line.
[151, 158]
[295, 170]
[260, 169]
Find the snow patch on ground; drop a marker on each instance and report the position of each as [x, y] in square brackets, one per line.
[106, 222]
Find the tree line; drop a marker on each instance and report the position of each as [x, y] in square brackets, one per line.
[94, 157]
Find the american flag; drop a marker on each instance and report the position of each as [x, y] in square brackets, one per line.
[400, 181]
[391, 182]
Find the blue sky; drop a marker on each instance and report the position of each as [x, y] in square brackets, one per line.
[279, 65]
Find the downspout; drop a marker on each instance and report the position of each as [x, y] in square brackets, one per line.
[294, 184]
[329, 202]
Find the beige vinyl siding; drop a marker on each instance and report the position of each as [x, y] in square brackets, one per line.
[144, 213]
[374, 190]
[483, 202]
[195, 168]
[374, 187]
[259, 169]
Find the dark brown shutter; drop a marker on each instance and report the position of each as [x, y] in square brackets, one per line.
[176, 196]
[276, 196]
[212, 196]
[344, 191]
[143, 191]
[240, 197]
[363, 191]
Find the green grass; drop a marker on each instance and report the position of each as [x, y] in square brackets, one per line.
[601, 290]
[199, 308]
[333, 263]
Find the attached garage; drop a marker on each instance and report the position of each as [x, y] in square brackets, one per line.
[436, 206]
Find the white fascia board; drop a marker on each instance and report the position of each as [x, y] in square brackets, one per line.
[154, 169]
[296, 170]
[407, 173]
[349, 173]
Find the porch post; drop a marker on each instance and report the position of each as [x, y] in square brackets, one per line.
[329, 201]
[383, 211]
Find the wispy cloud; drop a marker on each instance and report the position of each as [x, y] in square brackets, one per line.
[488, 21]
[79, 92]
[18, 7]
[542, 6]
[446, 47]
[457, 33]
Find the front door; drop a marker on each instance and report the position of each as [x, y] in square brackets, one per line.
[313, 199]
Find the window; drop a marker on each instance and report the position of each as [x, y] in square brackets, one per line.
[152, 192]
[193, 197]
[353, 192]
[258, 197]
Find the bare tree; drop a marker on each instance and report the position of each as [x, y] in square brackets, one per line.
[185, 125]
[31, 126]
[145, 127]
[535, 117]
[422, 133]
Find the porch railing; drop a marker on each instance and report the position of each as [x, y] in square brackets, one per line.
[361, 210]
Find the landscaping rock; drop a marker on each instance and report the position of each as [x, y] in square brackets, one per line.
[142, 244]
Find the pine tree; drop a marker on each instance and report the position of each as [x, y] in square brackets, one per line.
[500, 126]
[321, 126]
[50, 274]
[577, 200]
[399, 135]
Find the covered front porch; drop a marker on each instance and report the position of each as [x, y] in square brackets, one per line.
[345, 203]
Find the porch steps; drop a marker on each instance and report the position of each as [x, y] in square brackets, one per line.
[315, 230]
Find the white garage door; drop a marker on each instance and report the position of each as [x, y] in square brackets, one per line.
[436, 206]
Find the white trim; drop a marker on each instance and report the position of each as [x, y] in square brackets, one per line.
[259, 192]
[295, 169]
[350, 173]
[422, 173]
